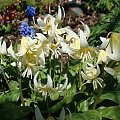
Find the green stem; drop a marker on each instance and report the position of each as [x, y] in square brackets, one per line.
[6, 79]
[50, 65]
[21, 95]
[20, 84]
[100, 90]
[80, 79]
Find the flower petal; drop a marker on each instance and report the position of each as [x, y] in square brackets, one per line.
[110, 71]
[49, 82]
[3, 47]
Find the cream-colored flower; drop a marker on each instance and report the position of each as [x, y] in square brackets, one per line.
[84, 54]
[79, 44]
[49, 24]
[48, 88]
[32, 53]
[113, 48]
[71, 38]
[26, 43]
[90, 74]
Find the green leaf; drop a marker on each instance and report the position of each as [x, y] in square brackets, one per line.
[74, 70]
[110, 112]
[11, 96]
[13, 85]
[88, 115]
[114, 96]
[68, 97]
[38, 114]
[54, 96]
[14, 112]
[62, 114]
[109, 5]
[83, 106]
[50, 118]
[118, 77]
[70, 93]
[57, 106]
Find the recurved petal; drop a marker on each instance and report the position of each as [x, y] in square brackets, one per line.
[105, 42]
[3, 47]
[59, 15]
[66, 48]
[83, 39]
[102, 57]
[98, 71]
[86, 30]
[65, 83]
[110, 71]
[40, 22]
[41, 37]
[49, 82]
[84, 76]
[35, 79]
[11, 51]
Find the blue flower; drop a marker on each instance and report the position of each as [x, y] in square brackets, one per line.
[30, 11]
[25, 30]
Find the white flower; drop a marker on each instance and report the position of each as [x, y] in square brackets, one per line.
[26, 43]
[49, 24]
[48, 88]
[32, 53]
[91, 73]
[71, 38]
[113, 48]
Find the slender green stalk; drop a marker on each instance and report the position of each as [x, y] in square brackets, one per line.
[49, 63]
[100, 90]
[19, 75]
[6, 79]
[21, 95]
[80, 79]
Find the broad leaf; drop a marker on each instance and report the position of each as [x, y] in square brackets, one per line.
[13, 85]
[11, 96]
[114, 96]
[110, 112]
[14, 112]
[38, 114]
[62, 114]
[88, 115]
[54, 95]
[68, 97]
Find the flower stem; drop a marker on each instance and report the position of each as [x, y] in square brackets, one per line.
[50, 65]
[100, 90]
[20, 84]
[21, 95]
[80, 80]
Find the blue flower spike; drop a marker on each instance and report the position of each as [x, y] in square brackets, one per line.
[25, 30]
[30, 11]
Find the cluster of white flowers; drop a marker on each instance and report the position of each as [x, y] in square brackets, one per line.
[54, 41]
